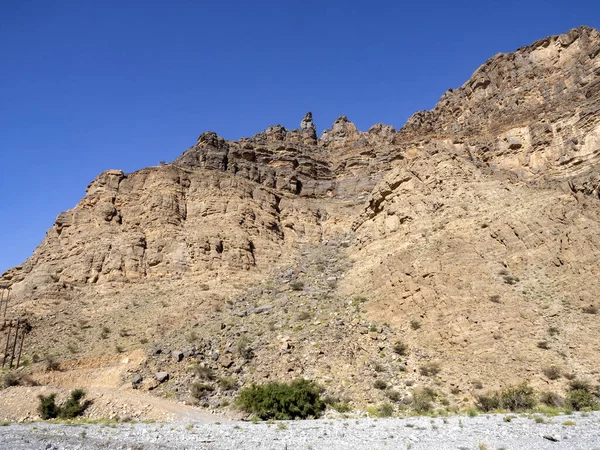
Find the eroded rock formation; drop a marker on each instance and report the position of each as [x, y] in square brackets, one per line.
[478, 220]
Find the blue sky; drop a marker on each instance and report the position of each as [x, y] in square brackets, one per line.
[87, 86]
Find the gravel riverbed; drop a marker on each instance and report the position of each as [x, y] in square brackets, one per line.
[576, 431]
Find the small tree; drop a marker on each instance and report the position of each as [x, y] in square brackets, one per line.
[283, 401]
[73, 407]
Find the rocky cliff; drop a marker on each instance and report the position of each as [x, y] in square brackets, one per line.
[468, 234]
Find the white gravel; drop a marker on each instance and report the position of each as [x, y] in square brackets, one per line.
[480, 432]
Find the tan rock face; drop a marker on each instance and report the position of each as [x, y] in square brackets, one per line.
[472, 231]
[534, 111]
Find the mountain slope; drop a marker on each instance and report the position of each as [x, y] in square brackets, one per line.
[471, 235]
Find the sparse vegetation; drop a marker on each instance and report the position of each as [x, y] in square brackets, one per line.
[422, 400]
[495, 299]
[244, 349]
[48, 409]
[52, 363]
[513, 398]
[304, 315]
[477, 384]
[385, 410]
[551, 372]
[104, 332]
[415, 324]
[297, 285]
[544, 345]
[400, 348]
[430, 369]
[509, 279]
[227, 383]
[552, 399]
[199, 390]
[392, 395]
[380, 384]
[11, 378]
[283, 401]
[204, 372]
[581, 396]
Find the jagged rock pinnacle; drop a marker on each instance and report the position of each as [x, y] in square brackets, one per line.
[309, 131]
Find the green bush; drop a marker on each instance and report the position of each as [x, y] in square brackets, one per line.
[72, 408]
[283, 401]
[513, 398]
[342, 407]
[385, 410]
[581, 396]
[488, 402]
[579, 399]
[48, 408]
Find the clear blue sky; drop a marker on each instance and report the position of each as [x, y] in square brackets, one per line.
[88, 85]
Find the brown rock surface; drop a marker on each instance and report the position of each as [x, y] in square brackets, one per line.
[471, 235]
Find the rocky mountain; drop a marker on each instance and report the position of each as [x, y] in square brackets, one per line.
[471, 236]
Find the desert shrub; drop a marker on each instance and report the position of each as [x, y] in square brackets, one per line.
[580, 396]
[342, 407]
[495, 299]
[552, 399]
[576, 384]
[430, 369]
[380, 384]
[51, 363]
[415, 324]
[543, 345]
[488, 402]
[14, 378]
[385, 410]
[400, 348]
[227, 383]
[283, 401]
[48, 409]
[73, 407]
[551, 372]
[513, 398]
[297, 285]
[579, 399]
[204, 372]
[11, 378]
[244, 349]
[392, 395]
[199, 390]
[590, 309]
[422, 400]
[552, 331]
[104, 333]
[304, 315]
[516, 398]
[477, 384]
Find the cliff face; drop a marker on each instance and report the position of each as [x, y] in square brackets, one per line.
[534, 111]
[478, 220]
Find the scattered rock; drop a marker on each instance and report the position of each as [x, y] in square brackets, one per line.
[161, 377]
